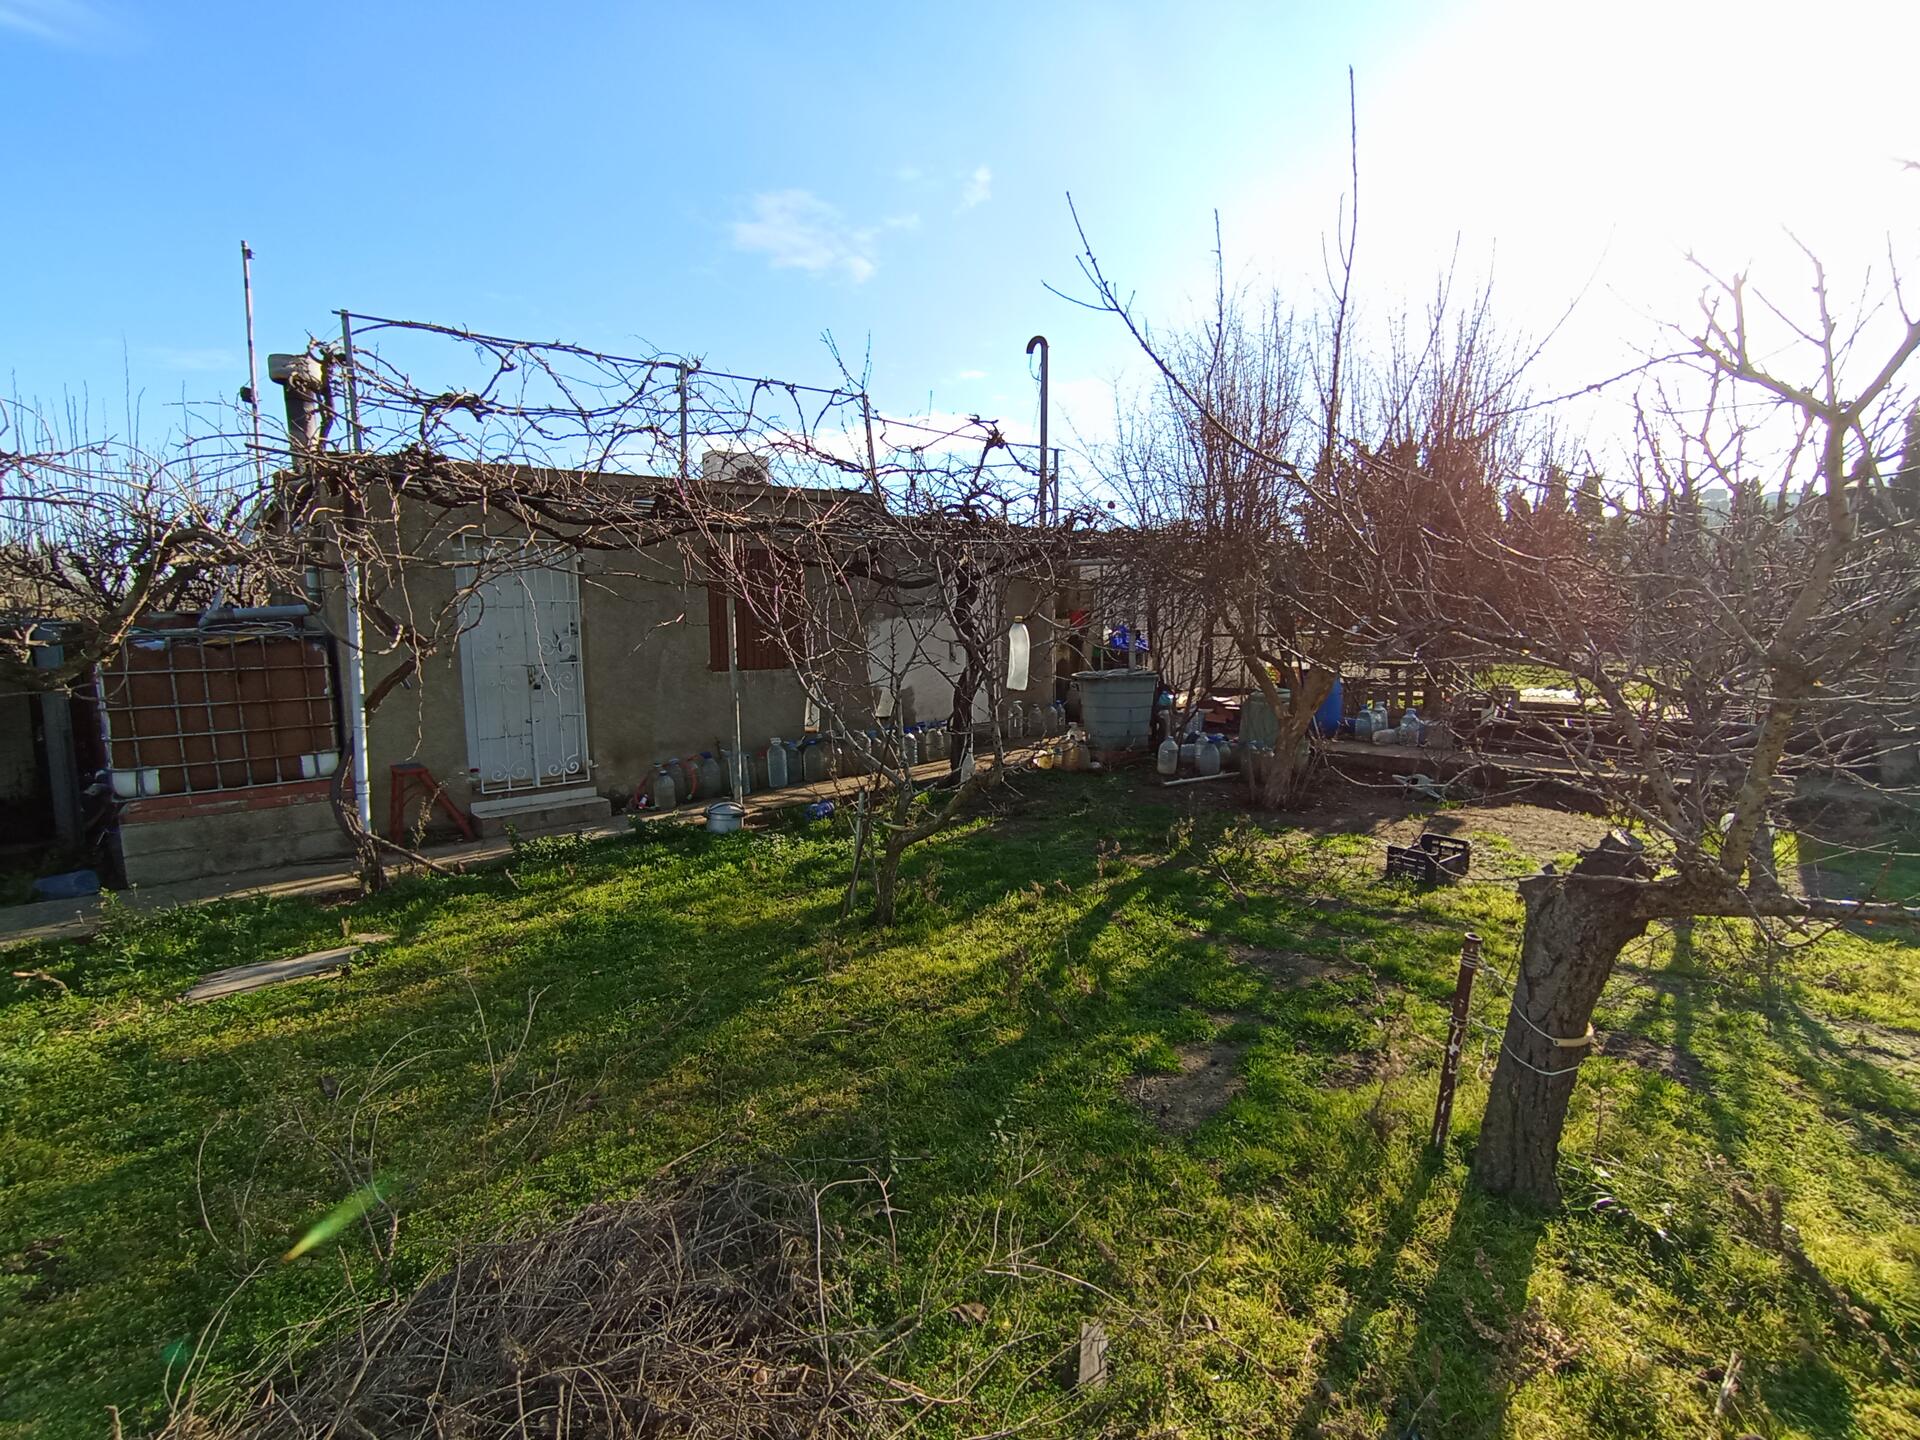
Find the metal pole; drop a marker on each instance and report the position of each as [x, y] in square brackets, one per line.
[736, 770]
[1456, 1038]
[873, 459]
[1055, 474]
[733, 679]
[253, 364]
[356, 677]
[682, 385]
[1040, 341]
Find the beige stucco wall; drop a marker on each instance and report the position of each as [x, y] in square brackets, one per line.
[645, 651]
[649, 694]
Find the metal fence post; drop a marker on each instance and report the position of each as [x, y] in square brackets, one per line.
[1456, 1038]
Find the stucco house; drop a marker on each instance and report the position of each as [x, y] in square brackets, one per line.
[566, 672]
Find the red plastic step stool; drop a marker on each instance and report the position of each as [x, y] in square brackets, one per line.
[408, 779]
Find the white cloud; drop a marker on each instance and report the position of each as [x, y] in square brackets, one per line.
[199, 360]
[797, 230]
[972, 375]
[907, 174]
[59, 22]
[979, 188]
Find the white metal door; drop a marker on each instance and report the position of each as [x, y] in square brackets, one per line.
[520, 669]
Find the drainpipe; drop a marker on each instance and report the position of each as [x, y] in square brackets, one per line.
[299, 378]
[1039, 342]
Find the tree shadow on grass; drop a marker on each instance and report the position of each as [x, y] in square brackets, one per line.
[685, 1014]
[1345, 1356]
[643, 1034]
[1470, 1349]
[190, 1143]
[1855, 1083]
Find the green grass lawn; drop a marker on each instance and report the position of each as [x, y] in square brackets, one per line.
[1296, 1264]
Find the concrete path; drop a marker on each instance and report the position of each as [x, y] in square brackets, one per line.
[75, 919]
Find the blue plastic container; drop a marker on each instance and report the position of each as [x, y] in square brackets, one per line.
[70, 886]
[1326, 720]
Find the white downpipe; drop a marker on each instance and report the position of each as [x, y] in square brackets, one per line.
[350, 572]
[737, 771]
[356, 682]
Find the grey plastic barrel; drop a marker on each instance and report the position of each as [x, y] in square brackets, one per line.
[1116, 706]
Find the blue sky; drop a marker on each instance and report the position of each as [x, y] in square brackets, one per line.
[731, 181]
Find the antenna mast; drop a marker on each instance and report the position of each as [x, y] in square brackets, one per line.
[252, 392]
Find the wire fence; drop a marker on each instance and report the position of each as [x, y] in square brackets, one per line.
[497, 400]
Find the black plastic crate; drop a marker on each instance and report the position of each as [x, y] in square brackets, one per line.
[1407, 863]
[1453, 856]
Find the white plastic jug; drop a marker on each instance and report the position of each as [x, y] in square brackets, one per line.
[740, 770]
[1018, 652]
[1167, 758]
[776, 764]
[665, 795]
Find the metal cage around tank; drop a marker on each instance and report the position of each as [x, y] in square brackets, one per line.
[207, 706]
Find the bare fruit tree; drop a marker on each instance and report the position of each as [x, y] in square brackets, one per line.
[1277, 486]
[1740, 630]
[97, 533]
[1734, 611]
[895, 603]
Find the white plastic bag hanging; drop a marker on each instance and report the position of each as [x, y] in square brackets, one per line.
[1018, 647]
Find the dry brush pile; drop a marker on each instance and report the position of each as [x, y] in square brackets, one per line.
[699, 1309]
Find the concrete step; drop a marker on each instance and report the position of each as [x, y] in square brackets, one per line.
[554, 817]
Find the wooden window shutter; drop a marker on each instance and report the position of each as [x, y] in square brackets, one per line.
[759, 646]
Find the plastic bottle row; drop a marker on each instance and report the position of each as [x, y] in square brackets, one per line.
[1373, 723]
[1197, 755]
[1022, 722]
[788, 762]
[1067, 751]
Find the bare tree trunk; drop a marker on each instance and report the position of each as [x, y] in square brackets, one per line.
[1277, 780]
[886, 877]
[366, 847]
[1576, 926]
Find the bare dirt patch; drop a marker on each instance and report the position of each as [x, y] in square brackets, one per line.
[1209, 1078]
[1354, 1069]
[1394, 814]
[1292, 969]
[1663, 1059]
[1535, 831]
[1882, 1044]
